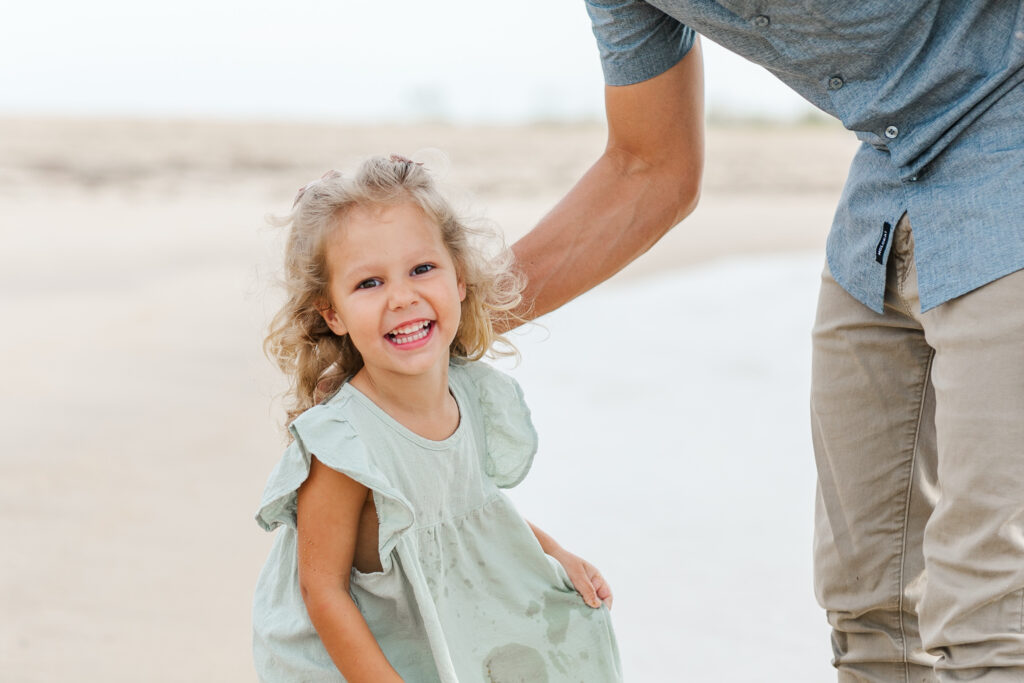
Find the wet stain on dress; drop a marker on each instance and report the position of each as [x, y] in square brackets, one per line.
[557, 616]
[562, 661]
[515, 663]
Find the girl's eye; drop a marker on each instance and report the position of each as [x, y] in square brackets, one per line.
[423, 268]
[367, 284]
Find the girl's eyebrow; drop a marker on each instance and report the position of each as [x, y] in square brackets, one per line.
[354, 272]
[430, 253]
[360, 273]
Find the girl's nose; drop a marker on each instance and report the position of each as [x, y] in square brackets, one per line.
[402, 296]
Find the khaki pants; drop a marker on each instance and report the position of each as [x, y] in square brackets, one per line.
[918, 424]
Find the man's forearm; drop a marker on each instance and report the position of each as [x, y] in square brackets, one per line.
[616, 212]
[647, 180]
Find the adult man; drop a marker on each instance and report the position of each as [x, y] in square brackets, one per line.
[918, 367]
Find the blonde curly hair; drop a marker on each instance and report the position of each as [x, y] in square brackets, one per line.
[316, 360]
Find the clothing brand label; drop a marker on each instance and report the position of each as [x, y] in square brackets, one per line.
[880, 249]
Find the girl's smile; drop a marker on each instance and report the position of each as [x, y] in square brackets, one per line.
[408, 335]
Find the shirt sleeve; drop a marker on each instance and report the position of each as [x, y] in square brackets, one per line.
[636, 41]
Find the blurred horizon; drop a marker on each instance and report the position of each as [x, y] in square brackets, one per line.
[352, 63]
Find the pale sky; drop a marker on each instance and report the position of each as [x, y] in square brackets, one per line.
[461, 60]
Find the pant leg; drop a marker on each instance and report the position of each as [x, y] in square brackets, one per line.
[973, 606]
[873, 428]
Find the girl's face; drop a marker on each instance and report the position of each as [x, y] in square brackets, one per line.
[393, 288]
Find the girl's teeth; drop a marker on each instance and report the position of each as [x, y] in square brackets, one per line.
[409, 333]
[408, 329]
[411, 338]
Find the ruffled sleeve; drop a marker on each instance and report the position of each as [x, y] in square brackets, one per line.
[324, 432]
[508, 430]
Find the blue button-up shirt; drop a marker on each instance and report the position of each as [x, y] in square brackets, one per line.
[932, 88]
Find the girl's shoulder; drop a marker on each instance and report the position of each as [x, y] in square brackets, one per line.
[507, 424]
[327, 432]
[328, 426]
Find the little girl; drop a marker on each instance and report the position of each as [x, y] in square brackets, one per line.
[400, 558]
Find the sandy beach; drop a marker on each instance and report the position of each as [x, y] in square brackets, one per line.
[139, 421]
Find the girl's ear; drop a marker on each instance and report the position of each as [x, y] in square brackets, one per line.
[462, 290]
[332, 318]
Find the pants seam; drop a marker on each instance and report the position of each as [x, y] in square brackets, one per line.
[906, 516]
[904, 262]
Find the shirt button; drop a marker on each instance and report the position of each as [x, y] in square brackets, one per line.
[835, 83]
[913, 179]
[891, 132]
[761, 21]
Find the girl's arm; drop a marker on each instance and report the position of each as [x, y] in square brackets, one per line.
[584, 576]
[329, 506]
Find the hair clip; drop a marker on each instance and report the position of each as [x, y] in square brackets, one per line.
[302, 190]
[398, 158]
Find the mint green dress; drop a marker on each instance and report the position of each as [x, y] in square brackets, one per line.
[466, 593]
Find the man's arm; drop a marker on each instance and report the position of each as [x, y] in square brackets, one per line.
[646, 181]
